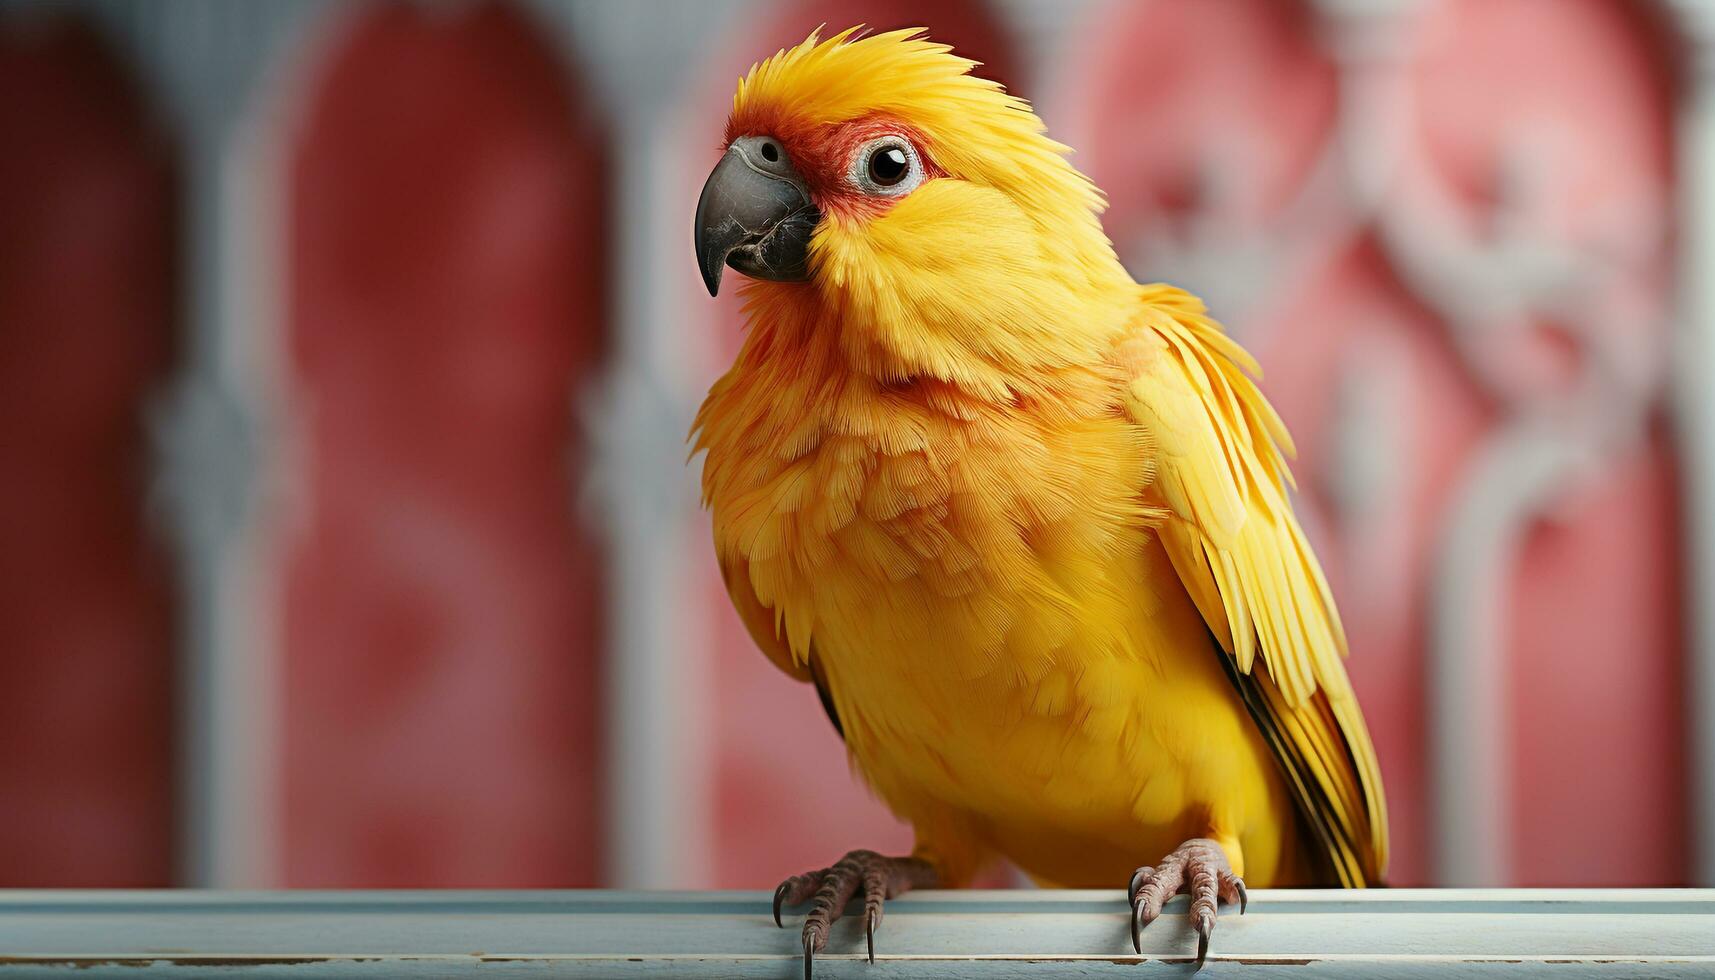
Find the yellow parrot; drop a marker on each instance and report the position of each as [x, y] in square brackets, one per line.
[1021, 521]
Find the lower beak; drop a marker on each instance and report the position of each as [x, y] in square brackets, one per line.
[755, 215]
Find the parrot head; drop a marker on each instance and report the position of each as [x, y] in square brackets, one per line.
[876, 178]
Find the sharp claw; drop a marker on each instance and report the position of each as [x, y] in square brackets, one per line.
[1137, 876]
[809, 956]
[1137, 927]
[1204, 926]
[779, 896]
[869, 935]
[1243, 899]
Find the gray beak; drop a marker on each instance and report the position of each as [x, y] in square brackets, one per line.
[755, 215]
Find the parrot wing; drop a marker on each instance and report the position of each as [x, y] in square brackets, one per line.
[760, 622]
[1232, 537]
[758, 619]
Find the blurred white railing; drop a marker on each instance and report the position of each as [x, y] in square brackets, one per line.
[1379, 934]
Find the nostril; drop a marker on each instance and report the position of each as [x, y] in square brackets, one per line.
[770, 152]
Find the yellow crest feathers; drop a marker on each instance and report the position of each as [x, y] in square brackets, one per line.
[976, 130]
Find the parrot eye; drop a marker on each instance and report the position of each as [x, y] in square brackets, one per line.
[887, 167]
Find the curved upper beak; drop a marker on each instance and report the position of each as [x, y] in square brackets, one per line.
[755, 215]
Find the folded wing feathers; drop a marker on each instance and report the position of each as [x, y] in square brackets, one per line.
[1222, 453]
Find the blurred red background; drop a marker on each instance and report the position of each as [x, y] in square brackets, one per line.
[485, 641]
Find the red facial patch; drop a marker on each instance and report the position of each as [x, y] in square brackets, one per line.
[823, 156]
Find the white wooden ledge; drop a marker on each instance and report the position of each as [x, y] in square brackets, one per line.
[1384, 933]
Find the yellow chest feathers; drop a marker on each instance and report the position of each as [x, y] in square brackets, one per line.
[910, 522]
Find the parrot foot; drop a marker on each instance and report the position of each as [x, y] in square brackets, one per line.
[876, 877]
[1198, 866]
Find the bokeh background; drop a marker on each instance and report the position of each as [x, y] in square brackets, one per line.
[347, 352]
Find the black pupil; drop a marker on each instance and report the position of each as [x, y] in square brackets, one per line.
[887, 166]
[770, 152]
